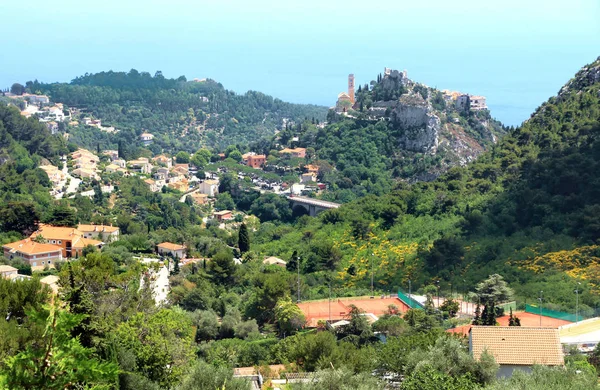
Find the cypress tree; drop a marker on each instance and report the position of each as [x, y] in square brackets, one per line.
[243, 239]
[477, 319]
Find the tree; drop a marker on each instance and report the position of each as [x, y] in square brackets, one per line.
[17, 89]
[20, 217]
[206, 376]
[490, 292]
[162, 344]
[182, 158]
[358, 326]
[57, 360]
[292, 264]
[450, 306]
[222, 267]
[243, 239]
[224, 201]
[289, 317]
[513, 320]
[62, 215]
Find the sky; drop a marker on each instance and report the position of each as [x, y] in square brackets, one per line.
[516, 53]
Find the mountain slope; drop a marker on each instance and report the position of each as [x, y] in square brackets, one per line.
[183, 115]
[527, 208]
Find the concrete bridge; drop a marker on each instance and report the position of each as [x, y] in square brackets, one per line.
[311, 205]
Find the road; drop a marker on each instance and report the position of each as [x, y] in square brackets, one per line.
[159, 282]
[73, 184]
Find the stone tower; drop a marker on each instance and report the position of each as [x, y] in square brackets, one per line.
[351, 87]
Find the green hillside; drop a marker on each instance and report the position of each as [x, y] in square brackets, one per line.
[527, 208]
[183, 115]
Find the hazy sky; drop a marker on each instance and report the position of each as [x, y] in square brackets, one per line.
[515, 52]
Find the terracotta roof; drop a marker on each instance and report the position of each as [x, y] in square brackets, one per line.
[65, 233]
[516, 345]
[97, 228]
[171, 246]
[30, 247]
[223, 212]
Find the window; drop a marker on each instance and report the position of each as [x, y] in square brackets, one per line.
[49, 262]
[43, 263]
[59, 241]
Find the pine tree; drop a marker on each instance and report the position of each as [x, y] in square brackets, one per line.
[477, 319]
[243, 239]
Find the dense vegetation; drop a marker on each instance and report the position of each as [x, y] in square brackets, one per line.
[526, 209]
[181, 114]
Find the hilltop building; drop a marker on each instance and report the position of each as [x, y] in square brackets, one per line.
[146, 138]
[170, 249]
[351, 87]
[70, 240]
[346, 100]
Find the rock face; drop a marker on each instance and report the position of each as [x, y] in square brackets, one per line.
[419, 126]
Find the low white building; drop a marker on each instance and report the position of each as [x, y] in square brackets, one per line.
[209, 187]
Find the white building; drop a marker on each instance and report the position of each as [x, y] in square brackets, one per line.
[210, 188]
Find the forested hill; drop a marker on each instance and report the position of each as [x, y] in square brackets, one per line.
[23, 143]
[181, 114]
[528, 209]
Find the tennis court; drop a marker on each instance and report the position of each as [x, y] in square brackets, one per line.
[315, 311]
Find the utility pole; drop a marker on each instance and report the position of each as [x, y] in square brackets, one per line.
[409, 292]
[541, 298]
[438, 288]
[298, 263]
[577, 303]
[372, 256]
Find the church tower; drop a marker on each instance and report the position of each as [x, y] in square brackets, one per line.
[351, 87]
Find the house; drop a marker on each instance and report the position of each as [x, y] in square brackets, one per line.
[517, 347]
[37, 99]
[296, 152]
[475, 102]
[140, 165]
[311, 168]
[199, 198]
[163, 161]
[6, 271]
[223, 215]
[112, 154]
[309, 177]
[180, 169]
[209, 188]
[256, 161]
[54, 174]
[181, 185]
[36, 254]
[120, 162]
[272, 260]
[52, 282]
[152, 185]
[170, 249]
[53, 127]
[85, 173]
[111, 168]
[103, 232]
[161, 174]
[71, 240]
[146, 138]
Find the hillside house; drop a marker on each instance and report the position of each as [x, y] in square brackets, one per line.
[85, 173]
[140, 165]
[35, 254]
[224, 215]
[163, 161]
[54, 174]
[256, 161]
[102, 232]
[180, 185]
[272, 260]
[180, 170]
[170, 249]
[296, 152]
[146, 138]
[517, 347]
[71, 240]
[209, 188]
[308, 178]
[111, 168]
[112, 154]
[7, 272]
[52, 282]
[198, 198]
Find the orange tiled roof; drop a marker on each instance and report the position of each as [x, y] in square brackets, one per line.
[97, 228]
[170, 246]
[518, 345]
[30, 247]
[65, 233]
